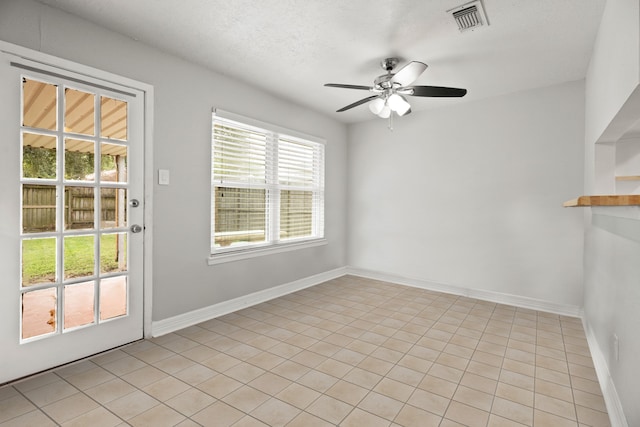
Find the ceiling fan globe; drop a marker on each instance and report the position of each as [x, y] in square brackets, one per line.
[399, 104]
[376, 105]
[385, 113]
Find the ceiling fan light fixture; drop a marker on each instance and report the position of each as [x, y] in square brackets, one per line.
[404, 111]
[385, 113]
[376, 105]
[398, 104]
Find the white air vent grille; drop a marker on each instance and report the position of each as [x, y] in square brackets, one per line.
[469, 16]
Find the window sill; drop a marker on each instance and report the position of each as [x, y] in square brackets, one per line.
[241, 254]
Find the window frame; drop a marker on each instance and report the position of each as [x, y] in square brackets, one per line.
[273, 243]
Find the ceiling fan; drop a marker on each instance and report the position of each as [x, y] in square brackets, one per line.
[391, 88]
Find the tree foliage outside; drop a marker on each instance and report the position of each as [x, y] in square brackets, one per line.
[41, 163]
[38, 162]
[108, 163]
[78, 165]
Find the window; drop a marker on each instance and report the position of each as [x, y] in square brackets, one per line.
[267, 186]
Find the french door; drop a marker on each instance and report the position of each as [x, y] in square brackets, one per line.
[71, 228]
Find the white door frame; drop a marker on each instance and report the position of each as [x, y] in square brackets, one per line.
[148, 91]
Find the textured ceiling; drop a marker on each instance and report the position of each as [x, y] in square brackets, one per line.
[290, 48]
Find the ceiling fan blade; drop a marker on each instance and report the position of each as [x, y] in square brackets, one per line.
[436, 91]
[348, 86]
[409, 73]
[355, 104]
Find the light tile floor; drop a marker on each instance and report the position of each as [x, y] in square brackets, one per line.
[348, 352]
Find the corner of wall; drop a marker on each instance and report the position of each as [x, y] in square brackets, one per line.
[611, 398]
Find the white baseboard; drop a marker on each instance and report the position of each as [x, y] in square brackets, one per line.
[497, 297]
[611, 399]
[172, 324]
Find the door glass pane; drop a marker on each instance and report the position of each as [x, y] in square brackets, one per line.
[38, 208]
[38, 261]
[79, 256]
[113, 297]
[79, 208]
[38, 156]
[39, 104]
[79, 305]
[79, 160]
[114, 208]
[113, 253]
[113, 163]
[78, 112]
[113, 118]
[39, 312]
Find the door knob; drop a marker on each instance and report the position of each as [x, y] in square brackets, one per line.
[135, 228]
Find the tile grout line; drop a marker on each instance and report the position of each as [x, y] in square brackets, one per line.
[38, 407]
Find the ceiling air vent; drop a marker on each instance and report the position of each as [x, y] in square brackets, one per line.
[469, 16]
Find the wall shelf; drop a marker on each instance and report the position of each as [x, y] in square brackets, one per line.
[606, 200]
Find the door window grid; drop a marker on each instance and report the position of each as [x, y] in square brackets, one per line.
[58, 289]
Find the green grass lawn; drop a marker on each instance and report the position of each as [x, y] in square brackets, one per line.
[39, 258]
[38, 261]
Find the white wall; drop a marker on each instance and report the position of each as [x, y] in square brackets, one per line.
[612, 242]
[612, 301]
[471, 195]
[614, 70]
[184, 96]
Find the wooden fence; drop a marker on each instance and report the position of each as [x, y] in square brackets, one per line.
[240, 214]
[39, 207]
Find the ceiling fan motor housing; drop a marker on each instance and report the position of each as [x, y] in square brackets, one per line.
[383, 82]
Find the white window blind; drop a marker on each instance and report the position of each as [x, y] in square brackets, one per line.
[267, 187]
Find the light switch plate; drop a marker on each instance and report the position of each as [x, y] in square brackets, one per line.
[163, 176]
